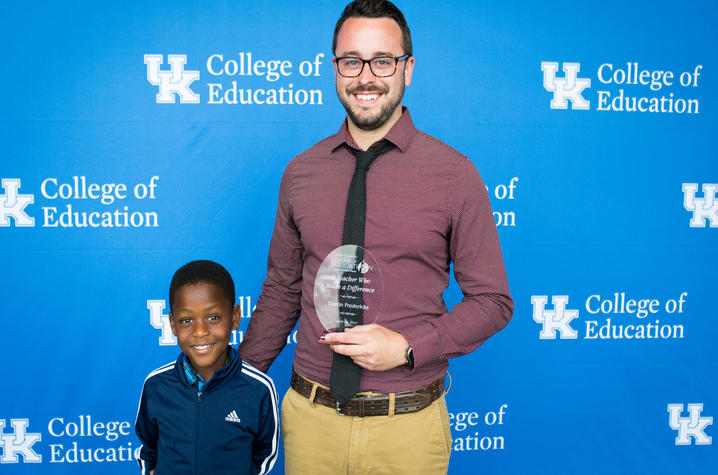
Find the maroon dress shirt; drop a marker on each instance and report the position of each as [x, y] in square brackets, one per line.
[426, 207]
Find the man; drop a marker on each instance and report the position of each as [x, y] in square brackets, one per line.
[425, 206]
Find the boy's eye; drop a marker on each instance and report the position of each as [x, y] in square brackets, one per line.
[213, 317]
[185, 321]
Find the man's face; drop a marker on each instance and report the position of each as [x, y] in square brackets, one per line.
[202, 320]
[371, 101]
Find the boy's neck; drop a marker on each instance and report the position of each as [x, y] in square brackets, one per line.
[206, 374]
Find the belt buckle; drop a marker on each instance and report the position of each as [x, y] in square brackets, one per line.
[339, 409]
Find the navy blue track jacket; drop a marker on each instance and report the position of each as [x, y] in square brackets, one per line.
[231, 427]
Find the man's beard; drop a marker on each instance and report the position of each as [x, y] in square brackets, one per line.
[385, 112]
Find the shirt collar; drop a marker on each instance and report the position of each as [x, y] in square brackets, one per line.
[193, 377]
[400, 134]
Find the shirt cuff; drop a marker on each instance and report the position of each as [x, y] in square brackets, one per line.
[424, 341]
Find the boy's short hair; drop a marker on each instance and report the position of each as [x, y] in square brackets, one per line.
[203, 271]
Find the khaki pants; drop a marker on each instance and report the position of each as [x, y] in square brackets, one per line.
[317, 440]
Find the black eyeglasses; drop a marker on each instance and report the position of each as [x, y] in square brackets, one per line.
[381, 66]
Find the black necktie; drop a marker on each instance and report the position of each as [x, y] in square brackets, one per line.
[344, 379]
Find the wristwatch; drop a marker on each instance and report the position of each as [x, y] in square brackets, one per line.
[410, 357]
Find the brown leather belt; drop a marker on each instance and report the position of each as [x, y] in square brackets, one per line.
[365, 405]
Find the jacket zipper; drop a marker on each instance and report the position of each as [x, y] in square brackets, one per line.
[196, 438]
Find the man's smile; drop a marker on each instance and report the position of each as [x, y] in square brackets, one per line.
[366, 95]
[366, 98]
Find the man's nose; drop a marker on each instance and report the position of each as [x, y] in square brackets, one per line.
[366, 76]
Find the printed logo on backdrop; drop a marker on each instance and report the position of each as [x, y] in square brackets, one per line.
[175, 82]
[161, 321]
[705, 208]
[691, 427]
[556, 320]
[241, 78]
[83, 204]
[13, 204]
[77, 439]
[567, 88]
[18, 442]
[626, 87]
[618, 316]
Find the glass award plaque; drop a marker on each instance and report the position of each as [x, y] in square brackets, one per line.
[348, 289]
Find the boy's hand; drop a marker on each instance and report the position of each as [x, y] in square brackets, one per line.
[372, 346]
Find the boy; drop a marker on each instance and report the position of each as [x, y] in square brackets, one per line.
[208, 412]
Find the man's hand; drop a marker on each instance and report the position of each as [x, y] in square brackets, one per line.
[372, 346]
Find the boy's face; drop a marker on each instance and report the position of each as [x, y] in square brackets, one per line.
[202, 320]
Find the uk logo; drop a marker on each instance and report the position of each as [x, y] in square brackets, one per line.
[704, 209]
[174, 82]
[692, 426]
[19, 442]
[556, 320]
[566, 88]
[13, 204]
[161, 321]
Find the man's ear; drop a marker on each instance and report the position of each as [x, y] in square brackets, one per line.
[408, 70]
[336, 74]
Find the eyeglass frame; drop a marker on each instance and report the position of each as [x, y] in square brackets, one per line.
[365, 61]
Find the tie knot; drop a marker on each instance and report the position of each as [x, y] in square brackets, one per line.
[364, 159]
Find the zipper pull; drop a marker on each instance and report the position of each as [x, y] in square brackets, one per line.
[199, 396]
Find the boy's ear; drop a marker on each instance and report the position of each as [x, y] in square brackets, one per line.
[236, 315]
[172, 323]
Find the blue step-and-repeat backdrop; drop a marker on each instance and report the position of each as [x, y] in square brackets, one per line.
[137, 136]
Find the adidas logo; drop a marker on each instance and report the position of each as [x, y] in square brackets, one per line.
[232, 417]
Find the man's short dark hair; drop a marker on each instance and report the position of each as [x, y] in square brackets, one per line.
[203, 272]
[375, 9]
